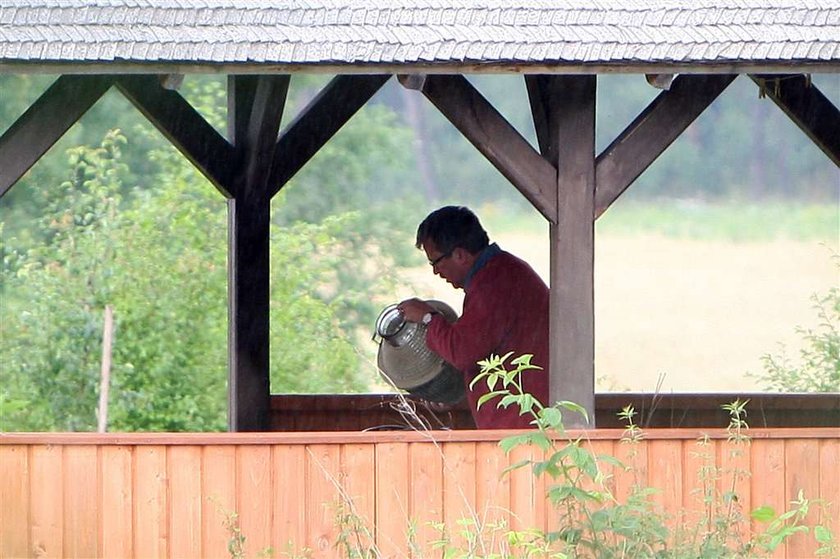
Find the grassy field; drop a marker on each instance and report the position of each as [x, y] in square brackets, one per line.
[688, 293]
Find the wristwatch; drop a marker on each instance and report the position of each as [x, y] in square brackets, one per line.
[427, 318]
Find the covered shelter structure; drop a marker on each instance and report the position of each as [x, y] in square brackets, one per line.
[141, 47]
[243, 492]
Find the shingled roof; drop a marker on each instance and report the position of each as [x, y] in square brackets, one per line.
[470, 35]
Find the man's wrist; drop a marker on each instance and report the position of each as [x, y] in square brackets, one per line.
[427, 318]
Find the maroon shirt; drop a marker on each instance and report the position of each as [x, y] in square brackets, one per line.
[505, 309]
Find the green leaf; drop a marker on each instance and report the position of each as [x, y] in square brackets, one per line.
[511, 399]
[763, 513]
[571, 406]
[489, 396]
[822, 534]
[536, 438]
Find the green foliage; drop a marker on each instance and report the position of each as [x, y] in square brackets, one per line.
[236, 539]
[818, 369]
[158, 258]
[491, 540]
[98, 252]
[592, 523]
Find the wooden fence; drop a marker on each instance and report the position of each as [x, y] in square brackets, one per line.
[169, 495]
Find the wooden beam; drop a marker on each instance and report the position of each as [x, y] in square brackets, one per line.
[45, 122]
[543, 93]
[563, 109]
[183, 126]
[650, 133]
[257, 106]
[495, 138]
[319, 121]
[807, 107]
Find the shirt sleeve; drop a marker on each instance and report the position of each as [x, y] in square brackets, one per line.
[477, 333]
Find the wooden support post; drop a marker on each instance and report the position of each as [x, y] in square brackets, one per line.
[564, 117]
[256, 103]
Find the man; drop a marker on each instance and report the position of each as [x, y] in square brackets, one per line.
[506, 309]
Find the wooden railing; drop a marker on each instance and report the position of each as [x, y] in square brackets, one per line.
[356, 412]
[168, 495]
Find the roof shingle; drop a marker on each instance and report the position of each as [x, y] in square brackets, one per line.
[366, 33]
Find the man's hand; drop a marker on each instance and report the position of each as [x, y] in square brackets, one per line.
[414, 309]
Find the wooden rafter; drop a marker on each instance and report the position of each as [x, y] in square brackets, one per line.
[45, 122]
[494, 137]
[542, 90]
[319, 121]
[183, 126]
[807, 107]
[651, 132]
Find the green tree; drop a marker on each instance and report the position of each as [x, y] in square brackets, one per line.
[53, 302]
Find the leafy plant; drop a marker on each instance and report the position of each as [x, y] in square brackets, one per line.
[236, 539]
[818, 369]
[593, 523]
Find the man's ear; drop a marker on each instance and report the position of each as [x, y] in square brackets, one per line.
[462, 256]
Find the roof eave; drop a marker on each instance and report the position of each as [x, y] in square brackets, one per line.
[455, 67]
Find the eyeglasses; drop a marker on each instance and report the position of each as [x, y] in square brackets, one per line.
[437, 260]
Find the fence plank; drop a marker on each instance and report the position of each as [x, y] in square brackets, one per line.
[116, 474]
[358, 482]
[426, 503]
[289, 498]
[81, 503]
[323, 471]
[768, 481]
[393, 508]
[184, 474]
[801, 457]
[527, 498]
[634, 456]
[150, 502]
[254, 483]
[492, 486]
[735, 486]
[14, 501]
[46, 511]
[699, 462]
[664, 465]
[218, 499]
[459, 476]
[830, 485]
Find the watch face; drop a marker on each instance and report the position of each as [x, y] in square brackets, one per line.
[427, 318]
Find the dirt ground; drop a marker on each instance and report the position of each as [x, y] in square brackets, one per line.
[697, 314]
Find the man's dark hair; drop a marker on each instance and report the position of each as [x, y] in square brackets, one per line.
[453, 227]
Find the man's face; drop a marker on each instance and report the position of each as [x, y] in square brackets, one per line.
[448, 265]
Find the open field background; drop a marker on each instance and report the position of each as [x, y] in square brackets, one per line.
[687, 297]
